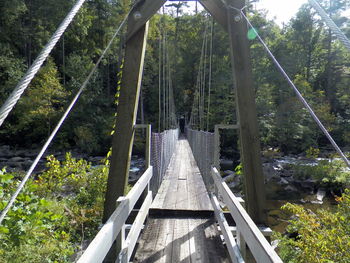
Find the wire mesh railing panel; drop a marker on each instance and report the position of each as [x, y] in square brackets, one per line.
[163, 146]
[202, 145]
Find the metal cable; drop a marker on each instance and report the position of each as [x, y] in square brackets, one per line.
[159, 81]
[330, 23]
[297, 92]
[210, 69]
[34, 68]
[49, 140]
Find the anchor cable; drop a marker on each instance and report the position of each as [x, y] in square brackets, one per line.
[63, 118]
[297, 92]
[12, 100]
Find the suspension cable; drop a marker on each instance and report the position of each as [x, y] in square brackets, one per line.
[297, 92]
[330, 23]
[201, 79]
[204, 73]
[63, 118]
[210, 69]
[160, 81]
[164, 76]
[34, 68]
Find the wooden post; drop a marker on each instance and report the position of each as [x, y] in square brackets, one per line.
[246, 109]
[126, 118]
[217, 9]
[124, 131]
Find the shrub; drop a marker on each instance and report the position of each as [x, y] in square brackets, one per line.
[322, 237]
[54, 213]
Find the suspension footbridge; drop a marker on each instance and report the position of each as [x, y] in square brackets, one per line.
[180, 210]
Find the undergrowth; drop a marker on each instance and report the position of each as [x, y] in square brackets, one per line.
[54, 214]
[322, 237]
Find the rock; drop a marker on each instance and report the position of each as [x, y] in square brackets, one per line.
[231, 178]
[27, 163]
[96, 159]
[271, 174]
[291, 188]
[308, 184]
[5, 151]
[317, 202]
[321, 193]
[16, 165]
[226, 164]
[227, 173]
[274, 243]
[16, 159]
[283, 182]
[21, 153]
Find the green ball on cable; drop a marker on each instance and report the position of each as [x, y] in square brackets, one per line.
[252, 34]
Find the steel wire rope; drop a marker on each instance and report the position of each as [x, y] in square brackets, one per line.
[16, 94]
[164, 81]
[200, 79]
[292, 85]
[204, 72]
[160, 82]
[210, 69]
[58, 126]
[168, 85]
[330, 23]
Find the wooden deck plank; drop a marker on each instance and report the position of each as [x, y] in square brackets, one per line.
[182, 187]
[182, 240]
[188, 233]
[149, 241]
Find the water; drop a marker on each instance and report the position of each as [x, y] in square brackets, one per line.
[277, 197]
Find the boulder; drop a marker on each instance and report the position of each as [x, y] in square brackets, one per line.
[321, 193]
[291, 188]
[16, 159]
[227, 173]
[283, 182]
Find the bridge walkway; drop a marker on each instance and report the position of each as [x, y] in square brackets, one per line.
[181, 226]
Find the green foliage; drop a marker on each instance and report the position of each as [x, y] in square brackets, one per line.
[323, 236]
[312, 152]
[64, 176]
[331, 174]
[54, 213]
[34, 228]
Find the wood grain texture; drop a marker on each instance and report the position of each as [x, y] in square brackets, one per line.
[190, 237]
[181, 240]
[182, 187]
[246, 108]
[125, 121]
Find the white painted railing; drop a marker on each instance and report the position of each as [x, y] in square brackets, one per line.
[246, 230]
[100, 245]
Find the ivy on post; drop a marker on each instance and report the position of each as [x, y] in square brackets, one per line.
[246, 109]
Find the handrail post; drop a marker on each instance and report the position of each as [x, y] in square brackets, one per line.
[217, 148]
[148, 145]
[119, 241]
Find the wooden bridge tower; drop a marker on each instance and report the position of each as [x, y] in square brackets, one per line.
[227, 14]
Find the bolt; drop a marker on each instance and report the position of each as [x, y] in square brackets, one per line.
[237, 18]
[137, 15]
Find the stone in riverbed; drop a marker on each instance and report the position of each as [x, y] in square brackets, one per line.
[17, 159]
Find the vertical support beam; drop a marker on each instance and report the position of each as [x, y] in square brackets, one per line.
[148, 145]
[246, 109]
[126, 118]
[217, 148]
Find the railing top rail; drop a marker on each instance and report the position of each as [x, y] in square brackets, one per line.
[259, 246]
[100, 245]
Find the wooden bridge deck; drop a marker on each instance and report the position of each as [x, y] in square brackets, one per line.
[181, 226]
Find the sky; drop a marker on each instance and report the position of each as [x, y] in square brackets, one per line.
[279, 10]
